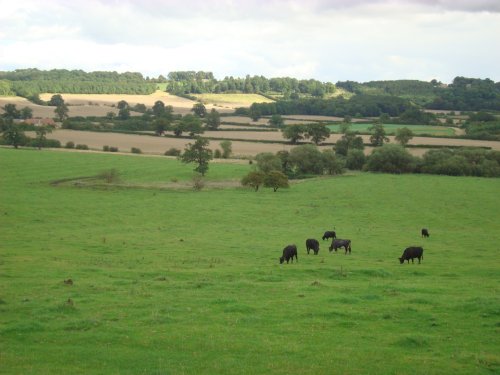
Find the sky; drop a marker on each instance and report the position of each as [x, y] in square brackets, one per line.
[327, 40]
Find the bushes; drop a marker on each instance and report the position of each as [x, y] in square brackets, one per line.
[81, 147]
[70, 144]
[462, 162]
[135, 150]
[107, 148]
[172, 152]
[391, 159]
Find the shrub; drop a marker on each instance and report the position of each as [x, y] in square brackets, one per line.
[105, 148]
[70, 144]
[81, 147]
[172, 152]
[217, 154]
[109, 176]
[136, 150]
[355, 159]
[391, 159]
[113, 149]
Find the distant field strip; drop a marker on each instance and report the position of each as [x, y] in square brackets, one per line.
[391, 129]
[232, 100]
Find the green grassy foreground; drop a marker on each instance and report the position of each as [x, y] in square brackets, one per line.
[390, 129]
[184, 282]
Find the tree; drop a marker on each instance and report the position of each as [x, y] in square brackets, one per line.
[255, 112]
[267, 162]
[198, 153]
[276, 180]
[10, 111]
[122, 104]
[378, 137]
[161, 126]
[276, 121]
[199, 109]
[227, 148]
[253, 179]
[306, 159]
[26, 113]
[317, 132]
[56, 100]
[124, 113]
[13, 135]
[403, 136]
[191, 124]
[350, 140]
[158, 108]
[41, 132]
[355, 159]
[293, 132]
[391, 159]
[213, 120]
[332, 164]
[61, 112]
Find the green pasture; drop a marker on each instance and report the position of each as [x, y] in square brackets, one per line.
[390, 129]
[185, 282]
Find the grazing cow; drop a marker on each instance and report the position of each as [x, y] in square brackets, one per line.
[329, 234]
[411, 253]
[336, 243]
[425, 232]
[312, 244]
[289, 252]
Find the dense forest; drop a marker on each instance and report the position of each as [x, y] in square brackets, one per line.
[375, 97]
[30, 82]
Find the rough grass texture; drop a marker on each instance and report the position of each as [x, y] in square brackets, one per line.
[169, 281]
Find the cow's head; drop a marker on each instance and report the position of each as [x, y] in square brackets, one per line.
[282, 259]
[401, 260]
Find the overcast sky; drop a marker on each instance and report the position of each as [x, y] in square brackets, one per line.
[329, 40]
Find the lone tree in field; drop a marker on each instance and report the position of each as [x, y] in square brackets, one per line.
[227, 148]
[12, 134]
[199, 109]
[276, 180]
[61, 112]
[253, 179]
[41, 135]
[378, 138]
[198, 153]
[317, 132]
[403, 136]
[276, 121]
[294, 133]
[213, 120]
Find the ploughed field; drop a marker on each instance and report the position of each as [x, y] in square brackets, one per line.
[182, 282]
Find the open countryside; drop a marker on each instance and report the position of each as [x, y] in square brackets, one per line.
[144, 232]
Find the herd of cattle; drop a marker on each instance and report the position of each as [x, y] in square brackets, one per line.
[290, 251]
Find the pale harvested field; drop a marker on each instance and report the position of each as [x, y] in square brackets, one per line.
[38, 110]
[232, 101]
[312, 118]
[158, 145]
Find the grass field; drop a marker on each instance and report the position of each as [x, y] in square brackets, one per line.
[391, 129]
[183, 282]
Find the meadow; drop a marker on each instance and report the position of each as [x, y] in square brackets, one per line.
[177, 281]
[391, 129]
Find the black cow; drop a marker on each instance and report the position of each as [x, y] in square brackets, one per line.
[289, 252]
[411, 253]
[425, 232]
[336, 243]
[329, 234]
[312, 244]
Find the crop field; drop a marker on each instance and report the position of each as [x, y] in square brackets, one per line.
[391, 129]
[245, 143]
[232, 101]
[176, 281]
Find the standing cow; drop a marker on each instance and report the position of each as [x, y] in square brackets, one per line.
[312, 244]
[412, 252]
[329, 234]
[336, 243]
[425, 232]
[289, 252]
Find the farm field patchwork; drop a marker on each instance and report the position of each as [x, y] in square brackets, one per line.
[232, 101]
[185, 282]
